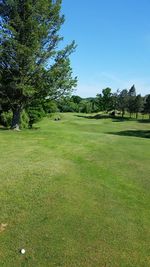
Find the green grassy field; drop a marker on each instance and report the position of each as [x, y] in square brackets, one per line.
[75, 193]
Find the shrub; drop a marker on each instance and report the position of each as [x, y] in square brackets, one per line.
[6, 118]
[50, 107]
[24, 120]
[35, 114]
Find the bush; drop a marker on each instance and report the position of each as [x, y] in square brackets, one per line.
[24, 120]
[35, 114]
[6, 118]
[85, 106]
[50, 107]
[55, 116]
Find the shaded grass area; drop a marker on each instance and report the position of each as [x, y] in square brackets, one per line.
[115, 118]
[73, 195]
[134, 133]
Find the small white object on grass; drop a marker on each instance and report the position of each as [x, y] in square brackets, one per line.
[22, 251]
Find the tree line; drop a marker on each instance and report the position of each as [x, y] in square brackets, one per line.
[117, 103]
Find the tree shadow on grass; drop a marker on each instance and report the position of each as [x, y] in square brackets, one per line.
[134, 133]
[114, 118]
[120, 119]
[34, 128]
[2, 128]
[144, 121]
[104, 116]
[97, 116]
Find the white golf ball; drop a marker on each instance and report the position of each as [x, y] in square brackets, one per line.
[23, 251]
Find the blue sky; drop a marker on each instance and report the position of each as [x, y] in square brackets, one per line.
[113, 44]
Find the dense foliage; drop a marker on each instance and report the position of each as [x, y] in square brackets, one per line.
[119, 102]
[32, 67]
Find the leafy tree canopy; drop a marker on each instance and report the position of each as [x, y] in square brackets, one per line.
[32, 66]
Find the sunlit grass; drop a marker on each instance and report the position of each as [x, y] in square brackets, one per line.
[75, 193]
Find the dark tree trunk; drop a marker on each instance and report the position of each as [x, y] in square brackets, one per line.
[136, 115]
[16, 119]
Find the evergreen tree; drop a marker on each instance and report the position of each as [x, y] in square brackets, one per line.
[147, 106]
[132, 91]
[123, 101]
[114, 101]
[138, 102]
[131, 100]
[31, 65]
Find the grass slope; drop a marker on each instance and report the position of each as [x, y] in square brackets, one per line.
[75, 193]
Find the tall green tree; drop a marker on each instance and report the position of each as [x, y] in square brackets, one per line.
[32, 67]
[85, 106]
[147, 105]
[114, 101]
[131, 100]
[123, 101]
[99, 102]
[94, 104]
[107, 99]
[132, 91]
[138, 103]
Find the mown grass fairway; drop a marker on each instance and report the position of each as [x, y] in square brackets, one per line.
[75, 193]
